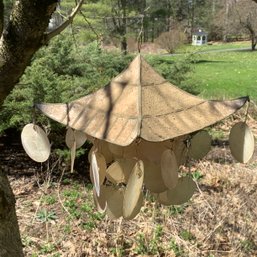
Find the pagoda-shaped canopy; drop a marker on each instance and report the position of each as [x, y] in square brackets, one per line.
[139, 103]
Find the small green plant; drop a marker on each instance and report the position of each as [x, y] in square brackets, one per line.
[67, 228]
[178, 251]
[187, 235]
[176, 209]
[141, 247]
[155, 242]
[88, 225]
[248, 245]
[196, 175]
[47, 248]
[117, 251]
[46, 216]
[49, 199]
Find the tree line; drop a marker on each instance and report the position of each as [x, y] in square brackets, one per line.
[120, 21]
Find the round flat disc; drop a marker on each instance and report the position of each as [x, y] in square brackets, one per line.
[180, 150]
[241, 142]
[100, 201]
[98, 169]
[200, 145]
[153, 177]
[75, 135]
[151, 151]
[115, 203]
[133, 189]
[169, 169]
[105, 151]
[120, 170]
[130, 151]
[35, 143]
[116, 150]
[183, 191]
[137, 207]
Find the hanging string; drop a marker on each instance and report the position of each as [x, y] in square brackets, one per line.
[247, 110]
[140, 35]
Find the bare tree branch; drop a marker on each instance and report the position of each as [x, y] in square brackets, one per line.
[90, 25]
[21, 38]
[1, 16]
[65, 24]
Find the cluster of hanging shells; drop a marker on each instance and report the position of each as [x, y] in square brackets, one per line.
[120, 174]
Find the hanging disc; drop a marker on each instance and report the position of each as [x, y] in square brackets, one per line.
[180, 150]
[100, 201]
[130, 151]
[73, 155]
[115, 203]
[180, 194]
[98, 169]
[153, 177]
[35, 143]
[169, 169]
[120, 170]
[200, 145]
[151, 151]
[133, 189]
[137, 207]
[75, 135]
[116, 150]
[105, 151]
[241, 142]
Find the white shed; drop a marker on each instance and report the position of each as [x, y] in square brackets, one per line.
[199, 37]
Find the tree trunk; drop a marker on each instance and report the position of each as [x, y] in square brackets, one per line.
[254, 41]
[23, 36]
[10, 242]
[124, 45]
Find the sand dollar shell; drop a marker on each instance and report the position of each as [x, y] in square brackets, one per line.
[200, 145]
[133, 190]
[35, 142]
[120, 170]
[241, 142]
[169, 169]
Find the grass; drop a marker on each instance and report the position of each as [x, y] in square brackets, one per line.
[213, 47]
[218, 75]
[225, 75]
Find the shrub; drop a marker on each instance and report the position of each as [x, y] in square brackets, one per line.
[59, 73]
[171, 40]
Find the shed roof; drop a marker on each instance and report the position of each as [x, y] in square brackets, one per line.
[200, 32]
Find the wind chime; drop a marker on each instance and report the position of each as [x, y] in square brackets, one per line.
[142, 129]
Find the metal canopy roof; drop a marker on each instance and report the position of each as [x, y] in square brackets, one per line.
[140, 103]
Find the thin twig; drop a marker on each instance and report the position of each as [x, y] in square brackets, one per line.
[65, 24]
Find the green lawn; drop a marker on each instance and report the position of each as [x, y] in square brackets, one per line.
[225, 75]
[213, 47]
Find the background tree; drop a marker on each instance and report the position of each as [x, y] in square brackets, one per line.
[246, 13]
